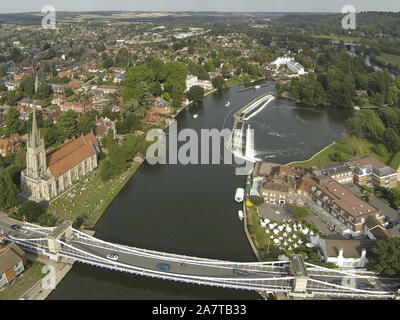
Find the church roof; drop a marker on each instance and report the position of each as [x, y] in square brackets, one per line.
[70, 154]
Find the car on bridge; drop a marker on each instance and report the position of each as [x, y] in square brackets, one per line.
[163, 267]
[16, 227]
[240, 272]
[365, 286]
[113, 257]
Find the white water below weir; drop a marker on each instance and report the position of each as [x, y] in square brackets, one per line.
[237, 140]
[250, 152]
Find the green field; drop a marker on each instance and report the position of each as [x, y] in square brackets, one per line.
[389, 58]
[90, 196]
[351, 147]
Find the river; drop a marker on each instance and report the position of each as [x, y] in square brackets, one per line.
[190, 209]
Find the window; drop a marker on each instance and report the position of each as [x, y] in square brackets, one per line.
[18, 268]
[3, 280]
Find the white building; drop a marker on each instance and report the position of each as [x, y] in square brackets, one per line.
[192, 81]
[291, 63]
[296, 67]
[281, 61]
[343, 253]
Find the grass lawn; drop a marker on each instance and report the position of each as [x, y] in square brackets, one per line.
[259, 236]
[350, 147]
[31, 275]
[90, 196]
[389, 58]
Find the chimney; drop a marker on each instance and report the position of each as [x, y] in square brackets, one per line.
[363, 253]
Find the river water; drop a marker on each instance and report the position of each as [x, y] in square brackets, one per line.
[190, 209]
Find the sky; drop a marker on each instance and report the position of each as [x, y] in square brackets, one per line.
[7, 6]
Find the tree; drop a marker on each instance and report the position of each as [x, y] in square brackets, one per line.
[384, 257]
[44, 91]
[257, 201]
[129, 144]
[12, 120]
[122, 58]
[67, 126]
[3, 69]
[133, 77]
[12, 191]
[195, 93]
[31, 211]
[392, 140]
[218, 82]
[85, 124]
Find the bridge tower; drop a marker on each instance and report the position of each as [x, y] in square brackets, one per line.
[299, 271]
[62, 232]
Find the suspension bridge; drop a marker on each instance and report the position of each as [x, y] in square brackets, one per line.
[294, 277]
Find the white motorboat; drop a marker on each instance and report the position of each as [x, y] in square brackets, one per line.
[227, 104]
[257, 87]
[239, 195]
[240, 214]
[195, 116]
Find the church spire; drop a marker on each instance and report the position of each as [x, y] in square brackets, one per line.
[35, 138]
[37, 83]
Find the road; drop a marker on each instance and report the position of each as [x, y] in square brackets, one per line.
[93, 251]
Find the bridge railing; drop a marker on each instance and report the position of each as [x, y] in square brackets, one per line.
[84, 238]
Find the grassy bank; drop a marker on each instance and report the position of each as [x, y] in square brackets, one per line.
[348, 147]
[259, 236]
[389, 58]
[31, 275]
[90, 197]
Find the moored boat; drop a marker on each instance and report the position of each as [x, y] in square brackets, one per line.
[239, 195]
[240, 214]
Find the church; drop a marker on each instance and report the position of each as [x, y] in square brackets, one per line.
[48, 175]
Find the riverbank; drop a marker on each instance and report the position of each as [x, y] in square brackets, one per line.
[348, 148]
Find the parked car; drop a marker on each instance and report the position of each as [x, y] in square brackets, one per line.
[113, 257]
[16, 227]
[240, 272]
[163, 267]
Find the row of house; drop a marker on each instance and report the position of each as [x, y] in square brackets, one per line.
[367, 171]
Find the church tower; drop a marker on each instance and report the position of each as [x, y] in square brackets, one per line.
[36, 152]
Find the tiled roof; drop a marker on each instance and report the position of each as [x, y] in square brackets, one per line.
[70, 154]
[344, 198]
[351, 248]
[371, 161]
[9, 257]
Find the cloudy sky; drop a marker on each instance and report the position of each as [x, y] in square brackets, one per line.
[200, 5]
